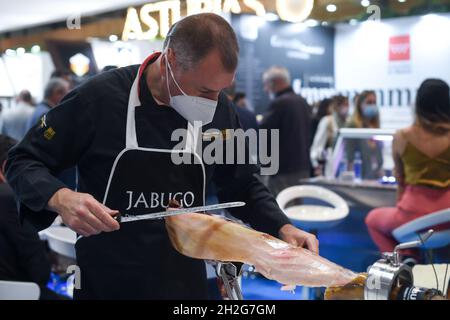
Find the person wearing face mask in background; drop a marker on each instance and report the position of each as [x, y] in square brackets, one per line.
[117, 128]
[322, 109]
[366, 115]
[291, 115]
[328, 130]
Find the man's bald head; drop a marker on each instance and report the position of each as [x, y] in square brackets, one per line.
[196, 36]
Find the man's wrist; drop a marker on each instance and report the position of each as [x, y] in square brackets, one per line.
[55, 201]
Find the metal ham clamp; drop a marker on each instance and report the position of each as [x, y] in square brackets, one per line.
[389, 279]
[229, 273]
[386, 279]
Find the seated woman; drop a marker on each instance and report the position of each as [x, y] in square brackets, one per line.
[367, 116]
[422, 165]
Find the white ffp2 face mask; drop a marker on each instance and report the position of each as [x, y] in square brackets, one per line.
[191, 108]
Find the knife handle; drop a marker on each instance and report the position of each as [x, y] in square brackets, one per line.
[118, 217]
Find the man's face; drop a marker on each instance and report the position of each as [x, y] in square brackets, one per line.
[370, 99]
[59, 94]
[342, 109]
[205, 80]
[242, 103]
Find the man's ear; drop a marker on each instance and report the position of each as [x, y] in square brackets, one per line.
[171, 57]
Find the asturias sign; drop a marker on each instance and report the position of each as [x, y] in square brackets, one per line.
[170, 12]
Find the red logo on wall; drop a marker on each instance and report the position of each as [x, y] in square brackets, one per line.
[399, 48]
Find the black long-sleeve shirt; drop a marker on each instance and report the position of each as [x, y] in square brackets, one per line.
[87, 130]
[291, 114]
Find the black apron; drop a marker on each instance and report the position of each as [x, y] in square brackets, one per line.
[138, 261]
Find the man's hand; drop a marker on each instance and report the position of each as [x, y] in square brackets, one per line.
[299, 238]
[82, 213]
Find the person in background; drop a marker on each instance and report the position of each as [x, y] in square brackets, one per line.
[65, 75]
[15, 120]
[25, 96]
[23, 255]
[291, 114]
[324, 108]
[422, 165]
[366, 115]
[328, 130]
[247, 118]
[55, 90]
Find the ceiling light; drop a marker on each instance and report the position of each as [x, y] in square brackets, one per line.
[331, 8]
[35, 49]
[20, 51]
[10, 52]
[113, 38]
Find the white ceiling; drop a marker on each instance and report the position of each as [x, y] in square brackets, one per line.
[18, 14]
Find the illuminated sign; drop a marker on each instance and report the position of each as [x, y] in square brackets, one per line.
[399, 48]
[79, 64]
[169, 12]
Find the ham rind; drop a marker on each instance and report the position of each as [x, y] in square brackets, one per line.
[353, 290]
[209, 237]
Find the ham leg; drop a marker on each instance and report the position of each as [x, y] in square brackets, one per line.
[208, 237]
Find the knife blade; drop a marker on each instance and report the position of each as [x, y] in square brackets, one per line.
[175, 212]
